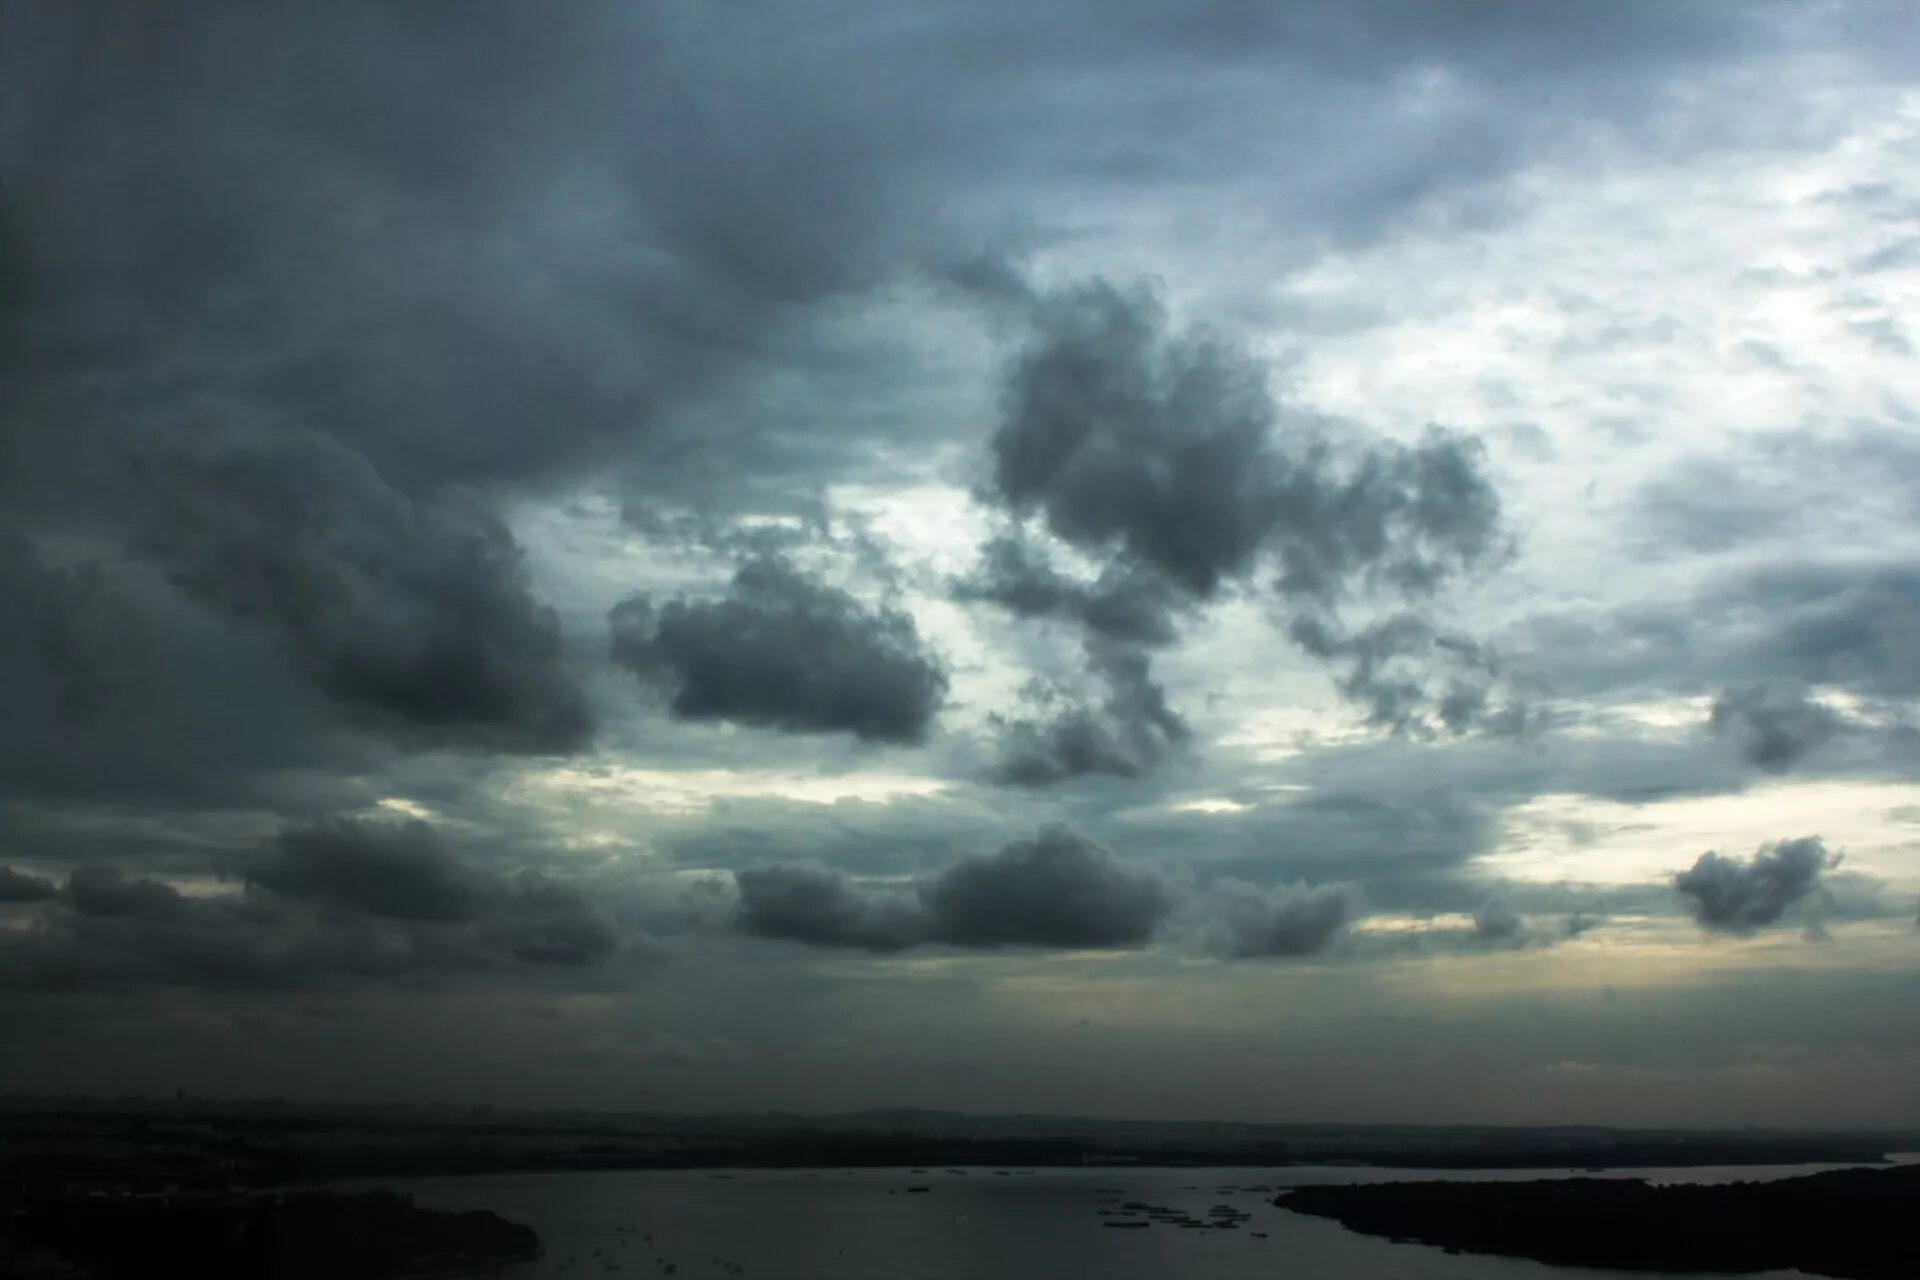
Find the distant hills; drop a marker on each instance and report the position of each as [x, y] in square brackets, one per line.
[178, 1140]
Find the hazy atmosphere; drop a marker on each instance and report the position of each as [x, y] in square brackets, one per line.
[1292, 562]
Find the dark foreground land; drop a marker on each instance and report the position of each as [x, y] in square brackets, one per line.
[302, 1236]
[1861, 1224]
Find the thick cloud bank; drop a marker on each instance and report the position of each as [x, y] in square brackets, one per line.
[339, 900]
[416, 613]
[785, 651]
[1057, 890]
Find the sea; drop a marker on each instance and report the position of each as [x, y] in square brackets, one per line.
[981, 1224]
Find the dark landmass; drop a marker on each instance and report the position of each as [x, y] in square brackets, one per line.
[1853, 1223]
[148, 1144]
[301, 1236]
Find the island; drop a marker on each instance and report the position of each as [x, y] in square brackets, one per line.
[1856, 1224]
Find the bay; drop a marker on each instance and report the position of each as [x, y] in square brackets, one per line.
[866, 1224]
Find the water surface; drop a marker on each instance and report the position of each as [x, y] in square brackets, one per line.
[865, 1224]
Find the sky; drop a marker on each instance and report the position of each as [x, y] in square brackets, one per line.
[1270, 561]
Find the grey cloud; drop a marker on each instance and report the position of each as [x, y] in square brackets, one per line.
[487, 284]
[1885, 335]
[1118, 436]
[540, 921]
[1168, 450]
[1411, 678]
[1131, 730]
[116, 686]
[111, 930]
[785, 651]
[1397, 841]
[1495, 921]
[1409, 516]
[1243, 921]
[1838, 624]
[397, 871]
[1775, 725]
[1735, 896]
[18, 886]
[908, 834]
[1056, 890]
[338, 902]
[481, 249]
[1581, 922]
[404, 872]
[1124, 604]
[105, 890]
[416, 614]
[57, 629]
[1831, 624]
[824, 908]
[1164, 456]
[1788, 486]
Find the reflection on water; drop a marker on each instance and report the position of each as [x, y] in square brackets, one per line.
[866, 1224]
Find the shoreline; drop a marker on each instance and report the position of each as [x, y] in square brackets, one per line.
[1855, 1224]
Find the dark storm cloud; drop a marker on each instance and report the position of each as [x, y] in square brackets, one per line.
[1775, 725]
[1129, 732]
[1243, 921]
[118, 687]
[473, 248]
[824, 908]
[113, 930]
[483, 247]
[1163, 455]
[1732, 895]
[399, 252]
[1057, 890]
[404, 871]
[56, 629]
[398, 871]
[1166, 449]
[105, 890]
[495, 248]
[416, 613]
[1125, 604]
[785, 651]
[18, 886]
[537, 920]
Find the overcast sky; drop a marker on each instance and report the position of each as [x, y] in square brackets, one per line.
[1237, 559]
